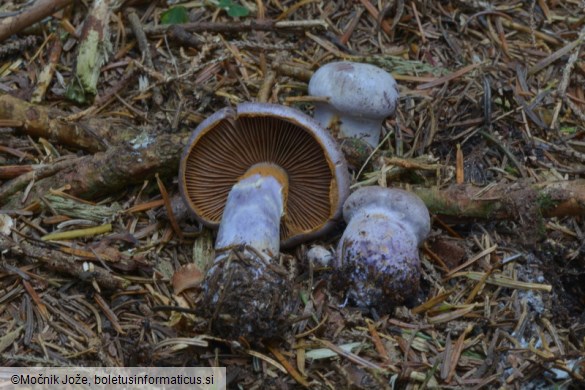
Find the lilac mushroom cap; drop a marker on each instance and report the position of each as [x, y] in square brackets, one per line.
[273, 138]
[360, 97]
[378, 255]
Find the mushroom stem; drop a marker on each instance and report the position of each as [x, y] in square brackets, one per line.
[253, 210]
[366, 129]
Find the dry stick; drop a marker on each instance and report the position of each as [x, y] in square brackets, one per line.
[18, 45]
[114, 170]
[549, 199]
[93, 46]
[128, 76]
[520, 27]
[563, 85]
[108, 95]
[38, 11]
[136, 27]
[350, 28]
[266, 88]
[61, 262]
[253, 25]
[108, 172]
[12, 171]
[441, 80]
[294, 71]
[376, 15]
[12, 187]
[179, 34]
[48, 71]
[505, 150]
[40, 121]
[540, 65]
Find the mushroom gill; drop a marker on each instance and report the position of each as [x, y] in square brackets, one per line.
[228, 147]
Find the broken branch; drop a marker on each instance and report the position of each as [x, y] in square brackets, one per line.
[120, 166]
[40, 10]
[49, 123]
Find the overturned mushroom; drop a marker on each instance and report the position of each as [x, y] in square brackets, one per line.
[266, 175]
[378, 261]
[359, 97]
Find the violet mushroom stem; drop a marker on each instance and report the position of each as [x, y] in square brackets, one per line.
[378, 255]
[253, 211]
[360, 97]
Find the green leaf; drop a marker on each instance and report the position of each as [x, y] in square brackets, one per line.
[235, 11]
[175, 15]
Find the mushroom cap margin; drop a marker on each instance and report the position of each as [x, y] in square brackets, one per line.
[401, 203]
[356, 89]
[334, 157]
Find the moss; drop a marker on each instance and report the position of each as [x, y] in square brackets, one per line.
[511, 170]
[446, 205]
[545, 202]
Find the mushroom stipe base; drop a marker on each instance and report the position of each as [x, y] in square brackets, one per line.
[247, 296]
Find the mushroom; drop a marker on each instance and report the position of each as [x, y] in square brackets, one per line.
[378, 261]
[320, 256]
[266, 175]
[359, 97]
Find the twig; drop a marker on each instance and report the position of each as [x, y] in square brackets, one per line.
[376, 15]
[551, 199]
[145, 50]
[12, 171]
[48, 71]
[116, 169]
[40, 10]
[179, 34]
[94, 46]
[60, 262]
[18, 45]
[294, 71]
[540, 65]
[254, 25]
[505, 150]
[351, 26]
[449, 77]
[520, 27]
[127, 77]
[12, 187]
[76, 233]
[39, 121]
[266, 88]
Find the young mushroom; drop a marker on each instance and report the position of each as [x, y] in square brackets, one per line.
[266, 175]
[378, 261]
[360, 97]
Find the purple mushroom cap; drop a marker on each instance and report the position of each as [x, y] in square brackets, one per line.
[360, 97]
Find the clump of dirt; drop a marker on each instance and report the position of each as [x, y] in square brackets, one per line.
[450, 250]
[563, 269]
